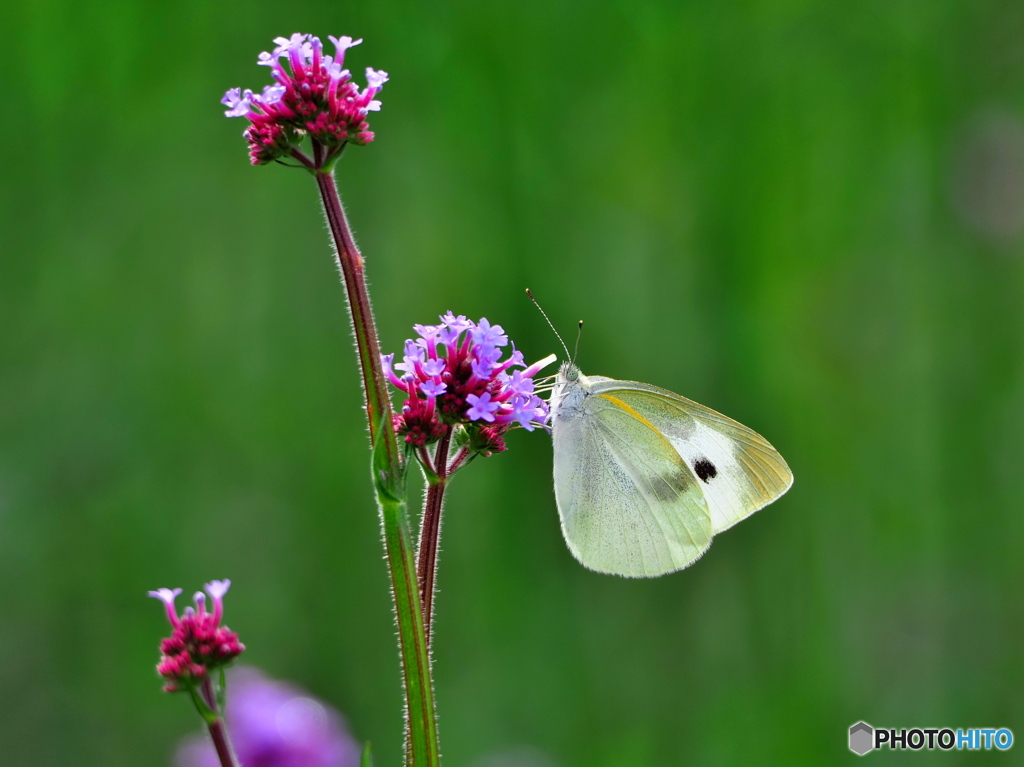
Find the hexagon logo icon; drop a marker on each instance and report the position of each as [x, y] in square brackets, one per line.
[862, 738]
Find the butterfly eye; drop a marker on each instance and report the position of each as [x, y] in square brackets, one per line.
[572, 375]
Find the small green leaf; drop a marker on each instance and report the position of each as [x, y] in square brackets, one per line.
[367, 758]
[208, 714]
[428, 473]
[221, 692]
[389, 478]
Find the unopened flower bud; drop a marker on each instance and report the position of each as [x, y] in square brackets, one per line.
[198, 643]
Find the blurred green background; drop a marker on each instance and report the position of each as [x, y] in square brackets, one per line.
[807, 215]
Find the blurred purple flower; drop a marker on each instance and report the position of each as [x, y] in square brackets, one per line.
[275, 724]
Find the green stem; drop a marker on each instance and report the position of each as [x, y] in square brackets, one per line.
[389, 480]
[419, 692]
[206, 701]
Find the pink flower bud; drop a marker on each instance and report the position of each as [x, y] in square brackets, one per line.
[198, 641]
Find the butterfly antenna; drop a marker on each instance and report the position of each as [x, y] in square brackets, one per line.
[579, 334]
[550, 324]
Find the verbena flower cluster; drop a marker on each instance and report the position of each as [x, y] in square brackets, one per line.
[198, 642]
[454, 373]
[313, 94]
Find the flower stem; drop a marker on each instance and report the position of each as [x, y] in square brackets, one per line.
[422, 746]
[430, 530]
[299, 155]
[351, 263]
[458, 462]
[218, 731]
[221, 742]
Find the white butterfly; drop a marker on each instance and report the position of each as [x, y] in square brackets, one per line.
[644, 478]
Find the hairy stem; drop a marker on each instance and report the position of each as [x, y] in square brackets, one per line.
[458, 462]
[430, 531]
[350, 261]
[421, 747]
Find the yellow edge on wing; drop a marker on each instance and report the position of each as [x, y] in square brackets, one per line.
[629, 410]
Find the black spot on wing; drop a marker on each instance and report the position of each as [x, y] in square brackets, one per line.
[704, 469]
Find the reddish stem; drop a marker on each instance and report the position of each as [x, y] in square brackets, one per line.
[350, 261]
[421, 451]
[219, 733]
[218, 730]
[430, 531]
[299, 155]
[458, 461]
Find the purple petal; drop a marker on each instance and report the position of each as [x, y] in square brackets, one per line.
[271, 94]
[237, 101]
[449, 336]
[343, 43]
[489, 335]
[459, 323]
[413, 351]
[434, 367]
[482, 368]
[267, 59]
[482, 408]
[167, 596]
[375, 78]
[427, 332]
[217, 589]
[433, 388]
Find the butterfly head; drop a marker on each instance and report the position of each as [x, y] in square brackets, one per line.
[568, 373]
[571, 388]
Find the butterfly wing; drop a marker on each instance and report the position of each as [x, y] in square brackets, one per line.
[737, 469]
[629, 505]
